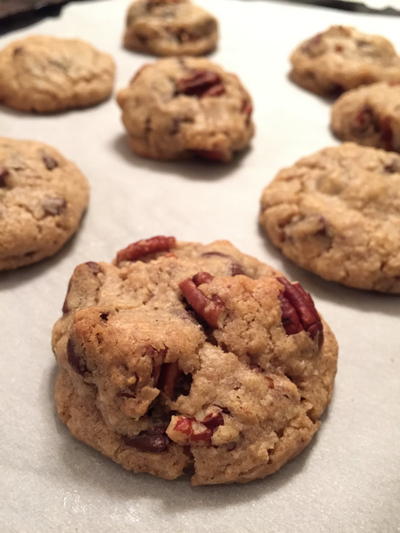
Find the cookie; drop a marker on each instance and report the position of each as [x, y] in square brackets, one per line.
[182, 357]
[182, 107]
[343, 58]
[42, 199]
[369, 116]
[337, 214]
[46, 74]
[170, 28]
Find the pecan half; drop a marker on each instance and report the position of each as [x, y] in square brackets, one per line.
[49, 162]
[3, 174]
[298, 311]
[209, 309]
[152, 440]
[144, 247]
[201, 83]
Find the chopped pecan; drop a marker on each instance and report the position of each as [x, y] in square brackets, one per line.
[194, 430]
[152, 440]
[3, 174]
[212, 155]
[365, 120]
[144, 247]
[237, 270]
[209, 309]
[202, 277]
[50, 162]
[94, 267]
[168, 378]
[386, 133]
[53, 205]
[298, 311]
[213, 420]
[157, 357]
[76, 361]
[201, 83]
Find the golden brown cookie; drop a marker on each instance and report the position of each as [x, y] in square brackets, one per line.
[170, 28]
[42, 199]
[369, 116]
[343, 58]
[337, 213]
[188, 357]
[45, 74]
[185, 107]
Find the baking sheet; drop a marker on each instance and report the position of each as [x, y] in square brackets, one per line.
[348, 479]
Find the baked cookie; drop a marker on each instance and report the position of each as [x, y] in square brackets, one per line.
[177, 108]
[343, 58]
[337, 213]
[369, 116]
[182, 357]
[42, 199]
[46, 74]
[170, 28]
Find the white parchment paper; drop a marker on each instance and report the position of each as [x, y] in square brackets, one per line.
[348, 479]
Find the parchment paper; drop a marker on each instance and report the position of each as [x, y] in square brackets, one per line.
[348, 479]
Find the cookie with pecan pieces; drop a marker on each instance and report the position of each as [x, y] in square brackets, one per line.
[46, 74]
[342, 58]
[170, 28]
[337, 213]
[183, 357]
[369, 116]
[182, 107]
[42, 199]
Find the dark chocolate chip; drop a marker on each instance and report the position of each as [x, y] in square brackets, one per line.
[3, 174]
[153, 440]
[50, 162]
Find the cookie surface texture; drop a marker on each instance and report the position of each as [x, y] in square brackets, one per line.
[170, 28]
[47, 74]
[42, 199]
[183, 357]
[369, 116]
[343, 58]
[337, 213]
[178, 108]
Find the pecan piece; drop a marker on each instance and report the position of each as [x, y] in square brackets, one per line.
[3, 174]
[213, 420]
[152, 440]
[386, 133]
[76, 361]
[298, 311]
[202, 277]
[54, 205]
[201, 83]
[365, 120]
[144, 247]
[49, 162]
[211, 155]
[194, 430]
[168, 378]
[209, 309]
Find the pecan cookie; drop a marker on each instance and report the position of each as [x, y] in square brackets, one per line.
[176, 108]
[369, 116]
[46, 74]
[337, 213]
[42, 199]
[170, 28]
[343, 58]
[182, 357]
